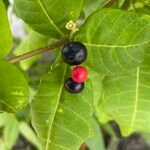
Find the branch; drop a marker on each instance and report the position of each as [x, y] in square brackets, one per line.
[109, 3]
[37, 51]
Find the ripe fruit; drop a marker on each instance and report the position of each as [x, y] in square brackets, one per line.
[74, 53]
[79, 74]
[74, 87]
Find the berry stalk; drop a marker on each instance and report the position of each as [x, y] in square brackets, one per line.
[37, 51]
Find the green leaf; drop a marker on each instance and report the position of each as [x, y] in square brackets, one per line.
[49, 17]
[115, 39]
[96, 79]
[127, 99]
[6, 2]
[11, 131]
[96, 141]
[144, 10]
[121, 2]
[92, 5]
[2, 145]
[97, 87]
[13, 88]
[126, 5]
[32, 42]
[145, 2]
[5, 33]
[62, 120]
[29, 134]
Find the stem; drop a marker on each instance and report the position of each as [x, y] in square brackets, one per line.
[37, 51]
[109, 3]
[132, 4]
[83, 147]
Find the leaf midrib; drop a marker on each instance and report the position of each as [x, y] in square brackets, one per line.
[136, 100]
[57, 103]
[49, 19]
[115, 46]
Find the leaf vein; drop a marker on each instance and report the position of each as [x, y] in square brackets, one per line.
[75, 114]
[77, 136]
[49, 19]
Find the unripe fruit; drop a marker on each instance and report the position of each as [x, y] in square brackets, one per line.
[79, 74]
[74, 87]
[74, 53]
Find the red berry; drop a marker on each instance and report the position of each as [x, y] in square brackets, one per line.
[79, 74]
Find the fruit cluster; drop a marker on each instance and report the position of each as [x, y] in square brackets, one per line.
[75, 53]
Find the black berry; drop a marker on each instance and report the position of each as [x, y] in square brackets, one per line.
[74, 87]
[74, 53]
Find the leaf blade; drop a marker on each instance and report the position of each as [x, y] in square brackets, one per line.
[129, 103]
[96, 141]
[5, 33]
[113, 38]
[29, 134]
[50, 22]
[91, 6]
[63, 114]
[14, 88]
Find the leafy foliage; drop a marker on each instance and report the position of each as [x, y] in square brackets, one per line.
[146, 2]
[49, 21]
[32, 42]
[14, 88]
[129, 104]
[115, 40]
[29, 134]
[118, 44]
[11, 130]
[56, 113]
[5, 34]
[92, 5]
[96, 79]
[96, 141]
[6, 2]
[121, 2]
